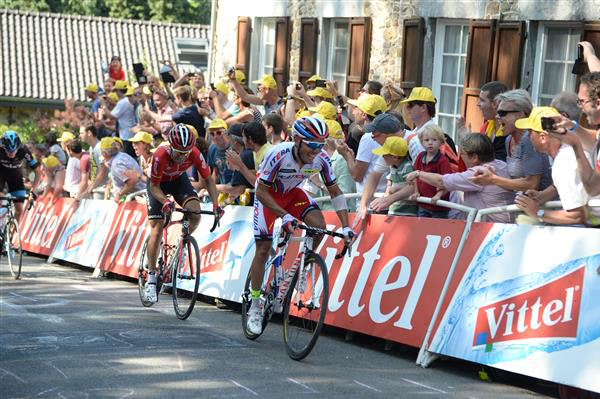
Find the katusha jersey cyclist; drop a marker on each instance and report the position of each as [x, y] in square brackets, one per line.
[12, 155]
[168, 176]
[278, 195]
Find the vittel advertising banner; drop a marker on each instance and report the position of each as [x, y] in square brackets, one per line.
[529, 303]
[41, 226]
[390, 285]
[88, 227]
[225, 254]
[122, 249]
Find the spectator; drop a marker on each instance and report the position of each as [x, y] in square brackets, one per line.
[268, 95]
[240, 159]
[188, 112]
[64, 140]
[420, 108]
[589, 56]
[124, 114]
[39, 152]
[115, 69]
[312, 82]
[478, 153]
[164, 111]
[571, 191]
[324, 109]
[91, 92]
[566, 104]
[98, 173]
[488, 105]
[55, 149]
[217, 154]
[366, 108]
[319, 94]
[142, 144]
[109, 85]
[54, 176]
[221, 106]
[124, 170]
[247, 112]
[393, 97]
[273, 125]
[372, 87]
[77, 183]
[431, 161]
[527, 168]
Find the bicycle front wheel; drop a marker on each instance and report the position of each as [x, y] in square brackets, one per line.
[305, 307]
[186, 277]
[12, 255]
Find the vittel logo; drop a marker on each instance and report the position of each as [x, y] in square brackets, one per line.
[212, 256]
[548, 311]
[76, 238]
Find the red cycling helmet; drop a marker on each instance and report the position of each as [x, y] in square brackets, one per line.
[181, 138]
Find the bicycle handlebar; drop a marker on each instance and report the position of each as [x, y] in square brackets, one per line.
[186, 211]
[314, 231]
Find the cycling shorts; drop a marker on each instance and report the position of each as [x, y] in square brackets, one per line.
[181, 189]
[13, 178]
[296, 202]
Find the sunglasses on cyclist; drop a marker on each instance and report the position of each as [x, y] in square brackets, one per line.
[179, 155]
[314, 145]
[504, 112]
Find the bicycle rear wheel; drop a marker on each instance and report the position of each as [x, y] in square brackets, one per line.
[12, 255]
[186, 277]
[143, 274]
[305, 307]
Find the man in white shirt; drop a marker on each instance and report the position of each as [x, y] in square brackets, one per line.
[124, 113]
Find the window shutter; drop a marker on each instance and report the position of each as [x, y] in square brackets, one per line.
[508, 49]
[244, 31]
[478, 68]
[309, 32]
[412, 53]
[359, 52]
[282, 53]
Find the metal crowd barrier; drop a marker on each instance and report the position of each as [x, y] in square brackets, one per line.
[595, 203]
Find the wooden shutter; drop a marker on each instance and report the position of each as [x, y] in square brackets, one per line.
[478, 68]
[412, 53]
[281, 68]
[508, 53]
[242, 61]
[359, 52]
[309, 32]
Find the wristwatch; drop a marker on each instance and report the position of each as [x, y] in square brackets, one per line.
[540, 215]
[575, 126]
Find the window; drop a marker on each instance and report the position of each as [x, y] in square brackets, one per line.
[333, 61]
[556, 53]
[451, 43]
[267, 48]
[192, 54]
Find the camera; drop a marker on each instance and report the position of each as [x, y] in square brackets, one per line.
[579, 65]
[231, 73]
[320, 83]
[212, 86]
[138, 69]
[298, 86]
[548, 124]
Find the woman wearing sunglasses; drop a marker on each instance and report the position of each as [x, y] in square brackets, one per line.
[278, 195]
[527, 168]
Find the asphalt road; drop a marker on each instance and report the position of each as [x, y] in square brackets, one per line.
[64, 334]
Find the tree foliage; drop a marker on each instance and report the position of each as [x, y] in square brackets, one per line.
[180, 11]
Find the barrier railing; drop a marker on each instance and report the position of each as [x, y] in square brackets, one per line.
[595, 203]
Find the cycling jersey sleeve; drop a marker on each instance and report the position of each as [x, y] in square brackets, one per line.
[157, 167]
[326, 169]
[200, 163]
[270, 167]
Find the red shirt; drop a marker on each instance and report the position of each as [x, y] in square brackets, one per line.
[84, 163]
[116, 74]
[164, 169]
[439, 164]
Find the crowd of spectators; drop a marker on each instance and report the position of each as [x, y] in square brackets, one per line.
[380, 142]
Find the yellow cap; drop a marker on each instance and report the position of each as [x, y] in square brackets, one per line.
[50, 161]
[130, 91]
[106, 143]
[193, 130]
[320, 92]
[92, 87]
[534, 122]
[420, 94]
[113, 97]
[146, 90]
[314, 78]
[222, 87]
[217, 124]
[66, 136]
[142, 136]
[121, 85]
[370, 104]
[268, 81]
[326, 109]
[240, 77]
[394, 145]
[335, 129]
[118, 140]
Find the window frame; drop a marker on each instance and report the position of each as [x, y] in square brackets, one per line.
[438, 55]
[187, 66]
[540, 55]
[256, 67]
[325, 58]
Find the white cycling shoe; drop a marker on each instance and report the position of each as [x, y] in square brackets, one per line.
[150, 293]
[255, 317]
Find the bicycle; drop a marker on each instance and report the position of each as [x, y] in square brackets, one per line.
[178, 265]
[302, 295]
[10, 238]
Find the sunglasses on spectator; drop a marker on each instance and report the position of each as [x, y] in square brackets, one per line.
[504, 112]
[314, 145]
[217, 132]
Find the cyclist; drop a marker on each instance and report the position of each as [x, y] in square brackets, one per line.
[168, 176]
[12, 154]
[278, 195]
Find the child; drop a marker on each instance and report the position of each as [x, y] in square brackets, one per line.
[395, 154]
[115, 69]
[431, 160]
